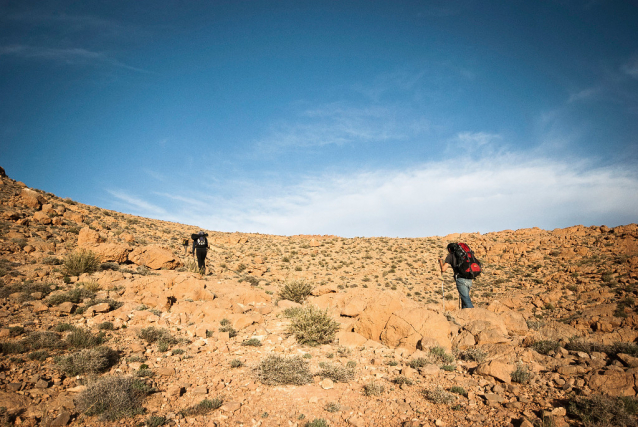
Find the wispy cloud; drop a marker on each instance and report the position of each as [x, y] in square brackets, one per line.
[137, 205]
[505, 191]
[584, 94]
[339, 124]
[76, 56]
[631, 67]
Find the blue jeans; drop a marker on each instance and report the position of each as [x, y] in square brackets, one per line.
[463, 286]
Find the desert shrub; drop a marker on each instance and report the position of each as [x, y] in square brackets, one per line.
[81, 261]
[89, 361]
[75, 296]
[317, 422]
[109, 266]
[40, 340]
[224, 322]
[106, 326]
[253, 342]
[521, 374]
[296, 291]
[616, 348]
[83, 338]
[276, 370]
[236, 363]
[155, 421]
[25, 289]
[313, 326]
[402, 379]
[440, 356]
[418, 362]
[232, 332]
[336, 373]
[113, 398]
[576, 344]
[332, 407]
[191, 266]
[458, 390]
[439, 395]
[203, 407]
[373, 389]
[292, 312]
[448, 368]
[11, 347]
[177, 351]
[546, 346]
[473, 354]
[63, 327]
[39, 355]
[603, 411]
[91, 285]
[161, 336]
[14, 331]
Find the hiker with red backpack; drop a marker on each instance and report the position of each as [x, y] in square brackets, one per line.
[466, 268]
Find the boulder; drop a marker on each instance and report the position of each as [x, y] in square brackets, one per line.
[154, 257]
[42, 218]
[372, 321]
[613, 383]
[31, 198]
[354, 307]
[74, 216]
[350, 339]
[497, 369]
[88, 237]
[408, 327]
[112, 252]
[486, 318]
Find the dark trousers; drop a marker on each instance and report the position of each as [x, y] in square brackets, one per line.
[201, 257]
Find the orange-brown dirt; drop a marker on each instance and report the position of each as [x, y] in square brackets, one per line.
[556, 287]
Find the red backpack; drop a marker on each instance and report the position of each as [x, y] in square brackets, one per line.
[467, 265]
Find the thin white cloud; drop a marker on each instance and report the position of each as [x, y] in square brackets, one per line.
[584, 94]
[339, 124]
[64, 55]
[631, 67]
[477, 138]
[502, 192]
[137, 205]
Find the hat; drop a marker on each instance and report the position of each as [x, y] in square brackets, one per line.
[201, 233]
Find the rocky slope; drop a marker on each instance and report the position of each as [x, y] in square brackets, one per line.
[555, 321]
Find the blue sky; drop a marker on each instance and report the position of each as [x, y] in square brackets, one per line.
[354, 118]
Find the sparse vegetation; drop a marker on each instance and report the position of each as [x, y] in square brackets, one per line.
[373, 389]
[439, 395]
[203, 407]
[91, 361]
[113, 398]
[296, 291]
[521, 374]
[81, 261]
[313, 326]
[336, 373]
[603, 411]
[276, 370]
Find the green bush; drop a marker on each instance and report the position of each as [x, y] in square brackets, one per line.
[473, 354]
[521, 375]
[458, 390]
[113, 398]
[401, 379]
[317, 422]
[203, 407]
[546, 346]
[336, 373]
[296, 291]
[313, 326]
[253, 342]
[82, 261]
[276, 370]
[90, 361]
[603, 411]
[76, 296]
[373, 389]
[83, 338]
[418, 362]
[162, 336]
[440, 356]
[439, 395]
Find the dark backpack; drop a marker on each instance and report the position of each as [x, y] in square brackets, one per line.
[467, 266]
[201, 242]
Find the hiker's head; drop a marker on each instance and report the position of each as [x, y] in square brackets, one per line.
[201, 233]
[450, 247]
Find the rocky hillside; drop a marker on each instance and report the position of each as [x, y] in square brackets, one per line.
[105, 320]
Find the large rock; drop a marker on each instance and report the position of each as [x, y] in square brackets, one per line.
[613, 383]
[497, 369]
[350, 339]
[42, 218]
[31, 198]
[154, 257]
[112, 252]
[14, 403]
[372, 321]
[88, 237]
[74, 216]
[489, 319]
[409, 327]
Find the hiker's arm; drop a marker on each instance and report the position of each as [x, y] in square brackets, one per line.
[444, 265]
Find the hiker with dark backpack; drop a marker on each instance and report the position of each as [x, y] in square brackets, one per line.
[200, 249]
[466, 268]
[185, 244]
